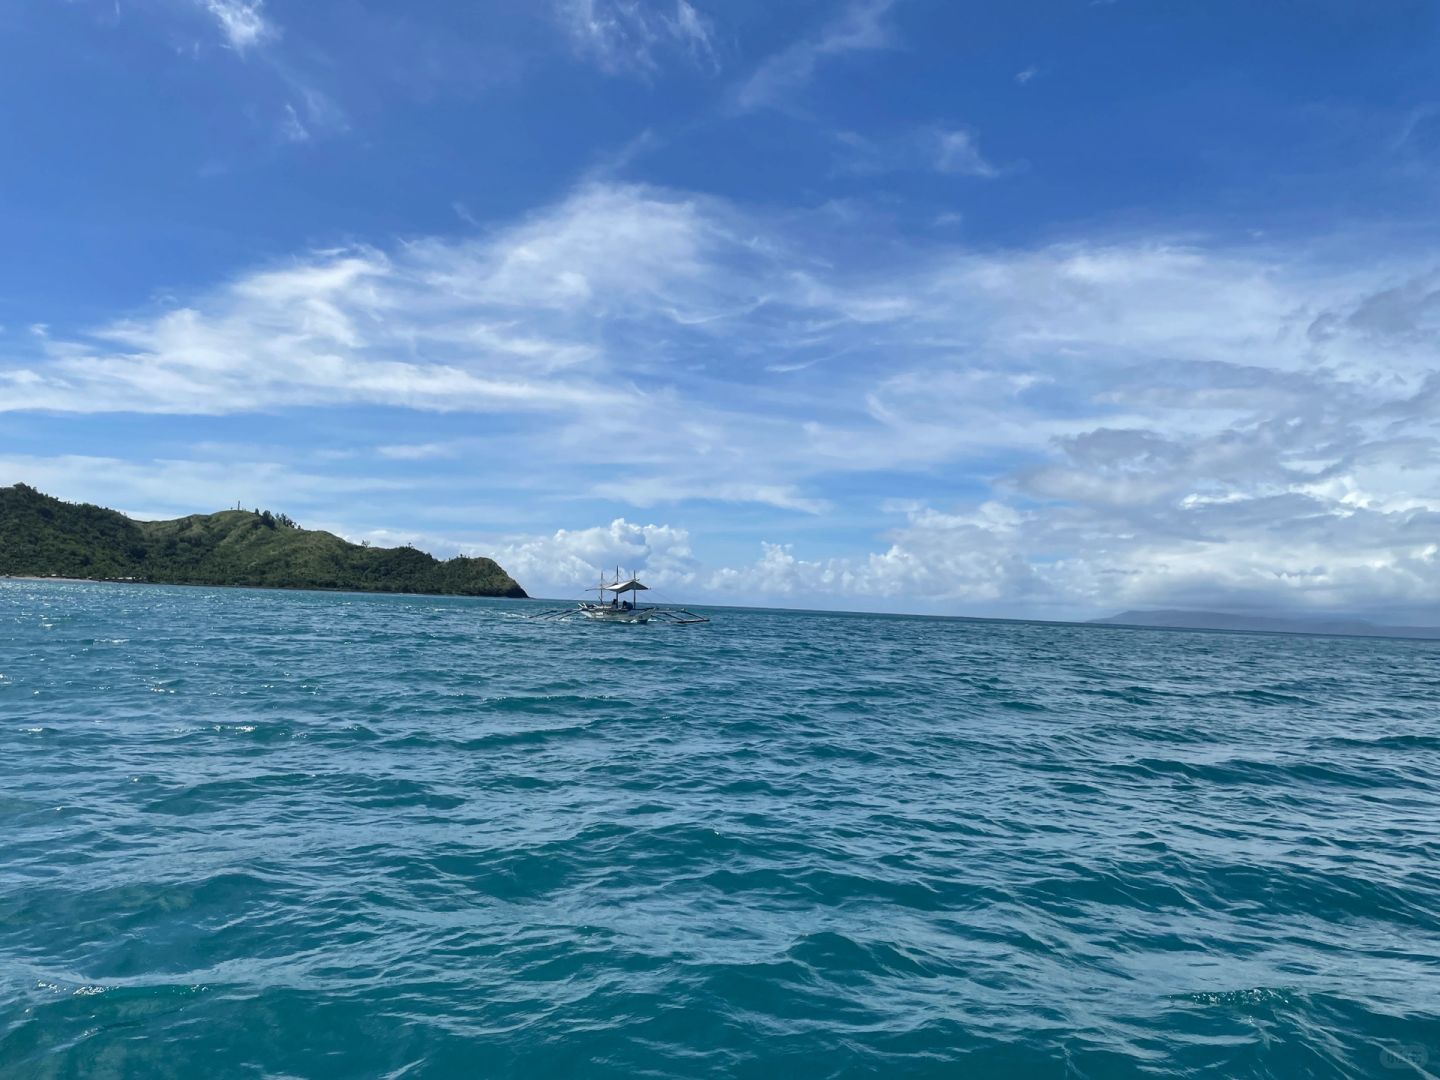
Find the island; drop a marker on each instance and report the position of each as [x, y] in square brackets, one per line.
[42, 536]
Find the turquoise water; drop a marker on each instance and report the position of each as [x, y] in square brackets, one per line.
[263, 834]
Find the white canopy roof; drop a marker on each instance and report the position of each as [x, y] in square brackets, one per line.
[630, 585]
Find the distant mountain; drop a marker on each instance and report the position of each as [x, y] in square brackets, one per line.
[1214, 620]
[41, 536]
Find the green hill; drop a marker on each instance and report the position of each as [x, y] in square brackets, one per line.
[44, 537]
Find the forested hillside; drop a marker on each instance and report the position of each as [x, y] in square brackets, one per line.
[43, 536]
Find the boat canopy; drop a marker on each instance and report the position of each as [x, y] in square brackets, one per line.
[627, 586]
[611, 610]
[621, 587]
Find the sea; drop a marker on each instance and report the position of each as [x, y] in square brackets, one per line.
[287, 835]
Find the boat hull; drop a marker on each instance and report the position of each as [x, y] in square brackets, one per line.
[604, 614]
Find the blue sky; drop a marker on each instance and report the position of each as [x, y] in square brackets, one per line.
[1038, 309]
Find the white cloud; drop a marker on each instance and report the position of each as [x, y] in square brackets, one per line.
[307, 111]
[860, 28]
[569, 559]
[628, 37]
[1142, 420]
[582, 316]
[318, 112]
[418, 451]
[939, 559]
[954, 151]
[291, 129]
[437, 325]
[1297, 556]
[649, 491]
[691, 27]
[957, 153]
[241, 21]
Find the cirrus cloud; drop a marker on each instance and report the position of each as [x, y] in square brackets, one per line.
[1116, 422]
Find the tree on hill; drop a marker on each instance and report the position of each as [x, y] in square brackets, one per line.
[43, 536]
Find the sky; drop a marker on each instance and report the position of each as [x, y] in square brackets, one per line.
[1050, 308]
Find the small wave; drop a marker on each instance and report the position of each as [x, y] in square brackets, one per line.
[1016, 705]
[386, 832]
[1242, 772]
[834, 954]
[491, 740]
[1383, 742]
[556, 704]
[1260, 696]
[1242, 999]
[297, 789]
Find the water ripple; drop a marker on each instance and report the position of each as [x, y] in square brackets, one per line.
[348, 836]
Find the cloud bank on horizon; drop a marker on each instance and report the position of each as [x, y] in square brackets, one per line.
[855, 305]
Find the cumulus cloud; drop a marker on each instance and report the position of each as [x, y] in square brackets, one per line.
[1202, 428]
[941, 558]
[1291, 553]
[568, 559]
[1137, 421]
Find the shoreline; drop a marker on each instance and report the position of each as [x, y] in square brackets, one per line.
[256, 588]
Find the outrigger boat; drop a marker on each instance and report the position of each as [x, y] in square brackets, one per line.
[618, 610]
